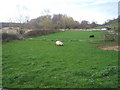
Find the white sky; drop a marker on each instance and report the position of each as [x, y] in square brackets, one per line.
[91, 10]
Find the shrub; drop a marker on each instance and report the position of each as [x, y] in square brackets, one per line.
[9, 37]
[111, 37]
[116, 29]
[21, 32]
[38, 32]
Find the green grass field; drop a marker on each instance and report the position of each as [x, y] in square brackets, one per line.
[39, 63]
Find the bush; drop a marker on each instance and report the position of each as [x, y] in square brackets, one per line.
[111, 37]
[21, 32]
[39, 33]
[9, 37]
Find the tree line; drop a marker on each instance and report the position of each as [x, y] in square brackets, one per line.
[59, 21]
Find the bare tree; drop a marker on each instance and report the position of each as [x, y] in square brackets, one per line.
[45, 12]
[22, 17]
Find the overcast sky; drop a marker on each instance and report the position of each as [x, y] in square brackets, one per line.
[91, 10]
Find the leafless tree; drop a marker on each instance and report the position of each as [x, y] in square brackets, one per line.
[21, 19]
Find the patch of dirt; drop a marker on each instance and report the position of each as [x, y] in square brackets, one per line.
[116, 48]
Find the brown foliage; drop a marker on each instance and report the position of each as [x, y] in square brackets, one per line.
[9, 37]
[111, 37]
[39, 32]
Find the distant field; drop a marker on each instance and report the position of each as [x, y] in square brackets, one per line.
[114, 24]
[73, 35]
[80, 63]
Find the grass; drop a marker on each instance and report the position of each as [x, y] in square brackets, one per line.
[73, 35]
[38, 63]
